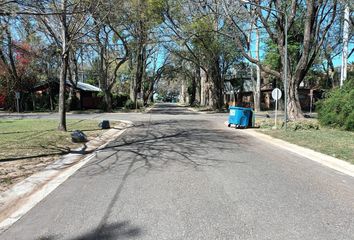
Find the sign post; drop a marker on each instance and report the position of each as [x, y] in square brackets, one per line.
[311, 101]
[17, 96]
[276, 94]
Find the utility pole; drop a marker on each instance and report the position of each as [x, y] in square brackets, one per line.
[258, 82]
[343, 71]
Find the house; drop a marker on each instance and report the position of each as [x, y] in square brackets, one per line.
[238, 91]
[87, 95]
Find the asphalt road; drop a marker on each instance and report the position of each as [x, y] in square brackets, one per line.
[181, 175]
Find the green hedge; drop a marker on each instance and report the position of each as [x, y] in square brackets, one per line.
[337, 109]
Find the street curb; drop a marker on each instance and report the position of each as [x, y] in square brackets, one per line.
[326, 160]
[147, 110]
[22, 197]
[195, 110]
[192, 109]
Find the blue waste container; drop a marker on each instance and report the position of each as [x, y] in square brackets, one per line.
[240, 117]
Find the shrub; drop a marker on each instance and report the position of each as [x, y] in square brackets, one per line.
[119, 100]
[303, 125]
[129, 104]
[337, 109]
[265, 122]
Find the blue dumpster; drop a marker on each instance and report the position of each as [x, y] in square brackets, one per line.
[240, 117]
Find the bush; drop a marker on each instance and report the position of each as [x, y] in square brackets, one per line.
[119, 100]
[303, 125]
[74, 104]
[337, 109]
[265, 122]
[129, 104]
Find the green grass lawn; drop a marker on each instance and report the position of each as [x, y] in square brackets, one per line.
[29, 145]
[30, 137]
[333, 142]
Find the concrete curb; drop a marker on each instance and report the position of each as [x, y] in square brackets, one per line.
[326, 160]
[192, 109]
[22, 197]
[195, 110]
[147, 110]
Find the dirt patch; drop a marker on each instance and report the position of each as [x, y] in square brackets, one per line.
[15, 171]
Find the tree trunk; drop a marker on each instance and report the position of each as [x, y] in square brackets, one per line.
[139, 72]
[257, 90]
[216, 86]
[197, 86]
[203, 87]
[192, 91]
[148, 92]
[294, 111]
[63, 72]
[108, 100]
[294, 106]
[64, 68]
[141, 60]
[331, 73]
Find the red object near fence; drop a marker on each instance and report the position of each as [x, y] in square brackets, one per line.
[2, 101]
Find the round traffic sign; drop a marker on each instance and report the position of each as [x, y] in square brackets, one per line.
[276, 94]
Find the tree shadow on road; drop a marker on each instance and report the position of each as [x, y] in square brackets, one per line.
[114, 231]
[156, 145]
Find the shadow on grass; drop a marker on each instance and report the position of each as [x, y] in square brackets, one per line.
[51, 129]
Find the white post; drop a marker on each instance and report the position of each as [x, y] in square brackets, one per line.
[343, 72]
[258, 83]
[311, 101]
[286, 72]
[17, 96]
[276, 111]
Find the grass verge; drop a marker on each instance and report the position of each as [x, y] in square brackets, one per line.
[333, 142]
[29, 145]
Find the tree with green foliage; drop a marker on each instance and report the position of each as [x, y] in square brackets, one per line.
[111, 38]
[143, 18]
[194, 28]
[310, 21]
[337, 109]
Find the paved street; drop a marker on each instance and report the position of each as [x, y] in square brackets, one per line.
[178, 174]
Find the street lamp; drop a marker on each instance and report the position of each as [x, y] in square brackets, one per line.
[285, 55]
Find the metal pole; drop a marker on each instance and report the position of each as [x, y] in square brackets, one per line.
[311, 99]
[17, 105]
[286, 72]
[276, 110]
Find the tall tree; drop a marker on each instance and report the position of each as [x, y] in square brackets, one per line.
[64, 22]
[143, 17]
[194, 27]
[315, 20]
[111, 37]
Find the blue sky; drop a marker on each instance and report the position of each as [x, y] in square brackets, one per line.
[338, 60]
